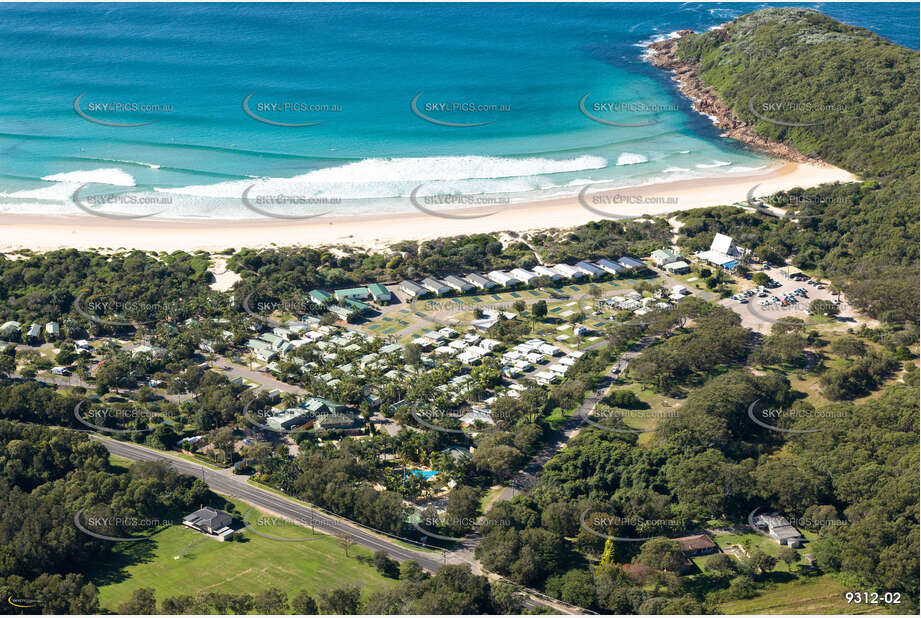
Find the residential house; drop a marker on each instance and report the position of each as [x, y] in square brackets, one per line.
[10, 330]
[210, 521]
[355, 293]
[479, 281]
[503, 279]
[34, 332]
[344, 313]
[52, 329]
[589, 269]
[696, 545]
[525, 276]
[779, 529]
[412, 290]
[723, 252]
[661, 257]
[678, 268]
[630, 263]
[458, 284]
[569, 272]
[612, 268]
[380, 294]
[435, 286]
[320, 297]
[543, 271]
[339, 420]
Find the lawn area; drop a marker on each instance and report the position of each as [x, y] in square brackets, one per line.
[660, 407]
[805, 595]
[234, 567]
[558, 416]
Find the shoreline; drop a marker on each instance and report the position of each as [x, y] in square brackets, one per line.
[375, 232]
[706, 100]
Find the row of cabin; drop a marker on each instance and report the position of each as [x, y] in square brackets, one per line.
[517, 276]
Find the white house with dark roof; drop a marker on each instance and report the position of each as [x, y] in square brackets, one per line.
[435, 286]
[543, 271]
[210, 521]
[411, 289]
[570, 272]
[458, 284]
[589, 269]
[525, 276]
[480, 281]
[502, 278]
[612, 268]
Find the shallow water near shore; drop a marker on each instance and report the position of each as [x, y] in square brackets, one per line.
[550, 98]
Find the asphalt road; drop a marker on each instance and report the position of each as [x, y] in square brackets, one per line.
[224, 482]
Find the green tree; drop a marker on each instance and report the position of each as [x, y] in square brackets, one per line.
[662, 554]
[344, 600]
[270, 601]
[142, 601]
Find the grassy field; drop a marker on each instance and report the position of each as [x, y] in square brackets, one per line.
[182, 561]
[815, 595]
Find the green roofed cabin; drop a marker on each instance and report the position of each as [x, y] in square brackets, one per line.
[320, 297]
[359, 293]
[357, 305]
[380, 294]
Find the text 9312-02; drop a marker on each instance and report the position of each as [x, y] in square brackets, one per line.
[873, 598]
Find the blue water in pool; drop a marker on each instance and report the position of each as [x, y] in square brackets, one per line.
[514, 73]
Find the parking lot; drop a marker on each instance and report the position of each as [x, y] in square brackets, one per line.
[790, 298]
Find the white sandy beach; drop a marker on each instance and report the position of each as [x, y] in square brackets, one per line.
[83, 231]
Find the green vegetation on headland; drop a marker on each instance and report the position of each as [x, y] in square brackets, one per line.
[846, 96]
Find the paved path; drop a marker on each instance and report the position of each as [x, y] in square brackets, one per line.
[226, 483]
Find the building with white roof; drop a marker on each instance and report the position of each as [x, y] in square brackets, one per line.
[589, 269]
[479, 281]
[723, 252]
[502, 278]
[630, 263]
[411, 289]
[525, 276]
[570, 272]
[458, 284]
[543, 271]
[435, 286]
[612, 268]
[546, 377]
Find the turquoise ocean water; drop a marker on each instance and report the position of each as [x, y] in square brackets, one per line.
[443, 98]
